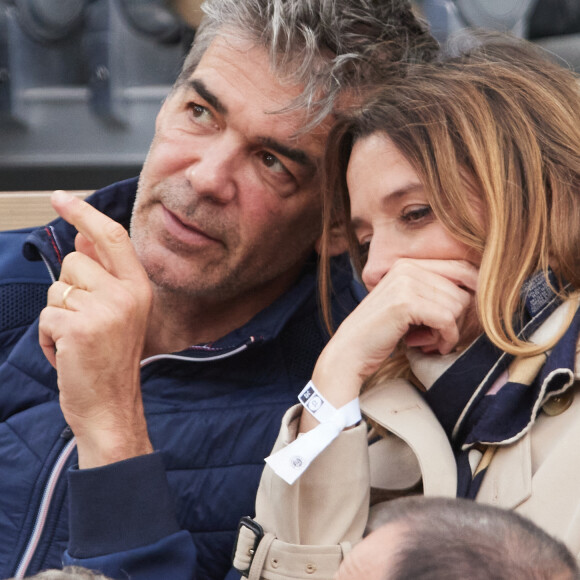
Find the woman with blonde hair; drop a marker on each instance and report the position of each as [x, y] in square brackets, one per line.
[460, 189]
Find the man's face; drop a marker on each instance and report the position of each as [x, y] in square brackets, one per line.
[228, 200]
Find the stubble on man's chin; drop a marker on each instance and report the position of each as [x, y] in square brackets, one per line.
[207, 292]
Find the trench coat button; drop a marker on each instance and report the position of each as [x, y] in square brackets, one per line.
[558, 404]
[310, 568]
[274, 563]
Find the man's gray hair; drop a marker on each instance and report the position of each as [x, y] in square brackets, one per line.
[326, 46]
[444, 538]
[68, 573]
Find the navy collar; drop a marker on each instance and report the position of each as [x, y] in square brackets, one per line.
[56, 239]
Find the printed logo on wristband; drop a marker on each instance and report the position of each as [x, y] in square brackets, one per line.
[315, 403]
[309, 395]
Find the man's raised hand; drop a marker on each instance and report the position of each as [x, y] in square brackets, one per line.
[94, 337]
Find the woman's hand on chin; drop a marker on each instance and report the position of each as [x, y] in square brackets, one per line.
[422, 302]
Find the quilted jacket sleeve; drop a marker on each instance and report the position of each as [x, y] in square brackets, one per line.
[122, 522]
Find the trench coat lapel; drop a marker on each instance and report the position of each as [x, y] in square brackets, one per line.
[399, 407]
[508, 479]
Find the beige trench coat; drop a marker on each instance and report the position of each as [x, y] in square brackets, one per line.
[316, 520]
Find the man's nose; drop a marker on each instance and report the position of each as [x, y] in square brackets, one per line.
[211, 173]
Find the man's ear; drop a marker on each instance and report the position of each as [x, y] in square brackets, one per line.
[338, 243]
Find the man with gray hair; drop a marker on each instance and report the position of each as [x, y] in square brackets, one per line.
[436, 538]
[67, 573]
[165, 359]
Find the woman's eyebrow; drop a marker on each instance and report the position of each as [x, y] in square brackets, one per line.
[401, 192]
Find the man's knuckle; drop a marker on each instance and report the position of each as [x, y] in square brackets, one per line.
[70, 260]
[52, 293]
[128, 303]
[125, 305]
[448, 317]
[42, 319]
[115, 233]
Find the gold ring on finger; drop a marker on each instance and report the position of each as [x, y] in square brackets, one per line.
[65, 295]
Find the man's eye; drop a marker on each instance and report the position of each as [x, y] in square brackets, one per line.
[273, 172]
[416, 214]
[201, 114]
[273, 163]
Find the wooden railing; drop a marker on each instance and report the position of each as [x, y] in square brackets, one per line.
[20, 209]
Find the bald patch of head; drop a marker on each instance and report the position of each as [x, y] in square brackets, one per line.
[375, 555]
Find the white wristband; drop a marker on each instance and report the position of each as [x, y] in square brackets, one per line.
[315, 403]
[292, 461]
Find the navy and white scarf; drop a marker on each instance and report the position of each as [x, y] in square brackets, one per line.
[485, 398]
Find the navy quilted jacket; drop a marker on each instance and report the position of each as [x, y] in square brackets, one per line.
[213, 414]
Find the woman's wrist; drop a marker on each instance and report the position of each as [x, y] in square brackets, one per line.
[338, 381]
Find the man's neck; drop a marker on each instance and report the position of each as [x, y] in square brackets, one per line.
[174, 327]
[177, 322]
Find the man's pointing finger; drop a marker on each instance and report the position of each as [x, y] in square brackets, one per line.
[110, 240]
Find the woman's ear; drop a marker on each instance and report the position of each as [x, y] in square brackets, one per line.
[337, 243]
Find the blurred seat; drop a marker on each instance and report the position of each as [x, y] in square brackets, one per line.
[447, 17]
[555, 25]
[552, 24]
[81, 82]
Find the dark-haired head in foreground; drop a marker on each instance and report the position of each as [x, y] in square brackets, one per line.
[427, 538]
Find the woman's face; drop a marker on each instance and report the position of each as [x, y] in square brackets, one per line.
[390, 213]
[392, 219]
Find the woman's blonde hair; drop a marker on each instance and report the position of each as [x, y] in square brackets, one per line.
[494, 136]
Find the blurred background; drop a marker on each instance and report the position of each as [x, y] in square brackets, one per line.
[81, 81]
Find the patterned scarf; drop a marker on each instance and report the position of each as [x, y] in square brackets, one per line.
[485, 398]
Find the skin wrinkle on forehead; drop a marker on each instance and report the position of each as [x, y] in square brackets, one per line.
[297, 155]
[284, 70]
[295, 120]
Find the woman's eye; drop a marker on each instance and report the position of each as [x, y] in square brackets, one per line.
[415, 214]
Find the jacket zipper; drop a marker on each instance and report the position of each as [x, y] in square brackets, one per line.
[44, 507]
[49, 488]
[220, 356]
[50, 272]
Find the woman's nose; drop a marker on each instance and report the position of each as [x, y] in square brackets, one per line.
[381, 256]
